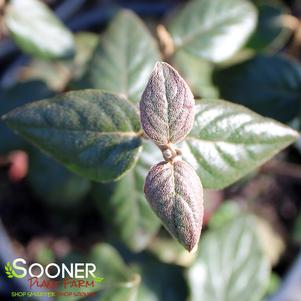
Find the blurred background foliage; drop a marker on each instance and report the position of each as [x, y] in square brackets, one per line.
[252, 232]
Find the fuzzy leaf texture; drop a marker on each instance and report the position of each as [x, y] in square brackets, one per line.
[93, 133]
[175, 193]
[228, 141]
[166, 106]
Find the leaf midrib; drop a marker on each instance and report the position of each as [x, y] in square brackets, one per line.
[126, 134]
[167, 104]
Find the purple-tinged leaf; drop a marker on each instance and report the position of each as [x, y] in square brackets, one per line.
[167, 106]
[175, 193]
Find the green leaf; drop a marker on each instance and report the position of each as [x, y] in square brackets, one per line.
[93, 133]
[55, 73]
[120, 283]
[58, 186]
[85, 43]
[270, 34]
[175, 193]
[213, 29]
[123, 59]
[160, 281]
[228, 141]
[109, 264]
[124, 292]
[166, 106]
[37, 31]
[15, 96]
[58, 73]
[113, 200]
[230, 265]
[269, 85]
[228, 211]
[197, 72]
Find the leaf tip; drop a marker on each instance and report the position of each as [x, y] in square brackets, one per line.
[191, 245]
[295, 134]
[8, 118]
[192, 248]
[158, 65]
[161, 65]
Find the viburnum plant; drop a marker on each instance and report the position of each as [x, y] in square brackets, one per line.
[167, 150]
[98, 135]
[172, 187]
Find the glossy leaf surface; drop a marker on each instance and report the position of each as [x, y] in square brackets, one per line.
[213, 29]
[230, 264]
[37, 30]
[228, 141]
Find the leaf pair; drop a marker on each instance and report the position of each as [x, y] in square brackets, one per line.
[172, 187]
[98, 135]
